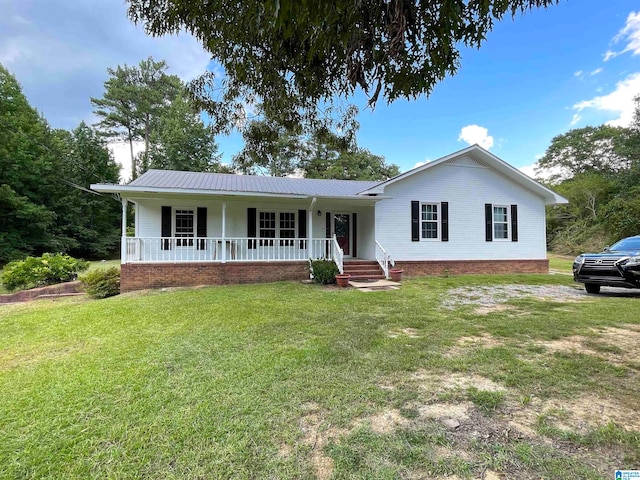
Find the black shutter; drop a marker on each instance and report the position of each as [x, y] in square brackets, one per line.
[251, 226]
[354, 252]
[327, 226]
[444, 220]
[165, 229]
[201, 221]
[514, 223]
[488, 222]
[415, 221]
[302, 228]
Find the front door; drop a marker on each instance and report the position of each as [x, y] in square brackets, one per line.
[341, 228]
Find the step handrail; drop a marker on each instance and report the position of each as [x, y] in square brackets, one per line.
[384, 259]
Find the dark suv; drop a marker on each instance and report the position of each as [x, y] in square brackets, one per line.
[617, 266]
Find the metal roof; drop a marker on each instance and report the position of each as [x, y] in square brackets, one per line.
[226, 182]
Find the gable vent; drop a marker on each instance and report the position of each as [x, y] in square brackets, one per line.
[466, 161]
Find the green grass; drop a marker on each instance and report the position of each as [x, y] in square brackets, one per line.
[561, 263]
[270, 381]
[95, 265]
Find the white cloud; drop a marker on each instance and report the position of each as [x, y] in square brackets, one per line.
[629, 35]
[475, 134]
[419, 164]
[596, 71]
[576, 118]
[578, 74]
[620, 101]
[529, 170]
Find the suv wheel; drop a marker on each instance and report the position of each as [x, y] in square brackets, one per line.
[592, 288]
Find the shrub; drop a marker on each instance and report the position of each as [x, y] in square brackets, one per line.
[40, 271]
[102, 282]
[324, 271]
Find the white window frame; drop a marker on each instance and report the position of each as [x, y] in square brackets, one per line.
[507, 223]
[268, 241]
[436, 221]
[180, 242]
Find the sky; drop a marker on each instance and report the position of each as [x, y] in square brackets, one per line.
[536, 76]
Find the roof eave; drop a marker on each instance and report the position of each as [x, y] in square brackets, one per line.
[128, 191]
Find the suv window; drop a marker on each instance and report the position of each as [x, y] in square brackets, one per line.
[626, 244]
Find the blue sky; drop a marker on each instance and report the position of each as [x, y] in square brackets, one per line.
[571, 65]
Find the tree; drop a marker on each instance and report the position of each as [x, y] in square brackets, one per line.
[358, 165]
[295, 55]
[181, 141]
[25, 162]
[87, 224]
[269, 149]
[274, 150]
[133, 99]
[590, 149]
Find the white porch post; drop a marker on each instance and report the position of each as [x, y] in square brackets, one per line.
[310, 229]
[224, 232]
[123, 246]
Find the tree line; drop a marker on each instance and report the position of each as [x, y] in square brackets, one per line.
[598, 170]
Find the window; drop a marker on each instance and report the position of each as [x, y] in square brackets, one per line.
[500, 222]
[287, 228]
[267, 228]
[185, 227]
[429, 221]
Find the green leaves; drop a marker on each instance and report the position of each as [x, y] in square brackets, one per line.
[297, 55]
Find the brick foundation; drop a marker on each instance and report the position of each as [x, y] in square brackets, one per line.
[139, 276]
[470, 267]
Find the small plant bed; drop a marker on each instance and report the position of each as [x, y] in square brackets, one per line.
[284, 381]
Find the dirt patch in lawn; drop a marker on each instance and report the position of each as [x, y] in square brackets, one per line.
[317, 432]
[489, 299]
[617, 346]
[466, 344]
[472, 434]
[456, 381]
[404, 332]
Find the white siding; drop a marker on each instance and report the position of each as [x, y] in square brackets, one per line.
[467, 185]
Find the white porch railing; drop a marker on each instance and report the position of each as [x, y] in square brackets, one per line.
[384, 259]
[337, 254]
[229, 249]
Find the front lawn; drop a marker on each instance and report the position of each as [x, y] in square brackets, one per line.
[520, 376]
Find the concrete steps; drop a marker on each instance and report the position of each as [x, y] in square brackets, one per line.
[363, 270]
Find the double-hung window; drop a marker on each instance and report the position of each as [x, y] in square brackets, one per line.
[429, 221]
[500, 222]
[267, 228]
[185, 228]
[287, 228]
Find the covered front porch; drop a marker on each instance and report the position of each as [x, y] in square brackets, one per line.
[230, 230]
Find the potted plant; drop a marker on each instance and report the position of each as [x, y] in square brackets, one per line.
[342, 279]
[396, 274]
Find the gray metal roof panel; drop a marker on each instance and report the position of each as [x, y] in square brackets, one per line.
[226, 182]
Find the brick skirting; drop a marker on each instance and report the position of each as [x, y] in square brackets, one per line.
[139, 276]
[467, 267]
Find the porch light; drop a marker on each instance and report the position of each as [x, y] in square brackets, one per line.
[319, 213]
